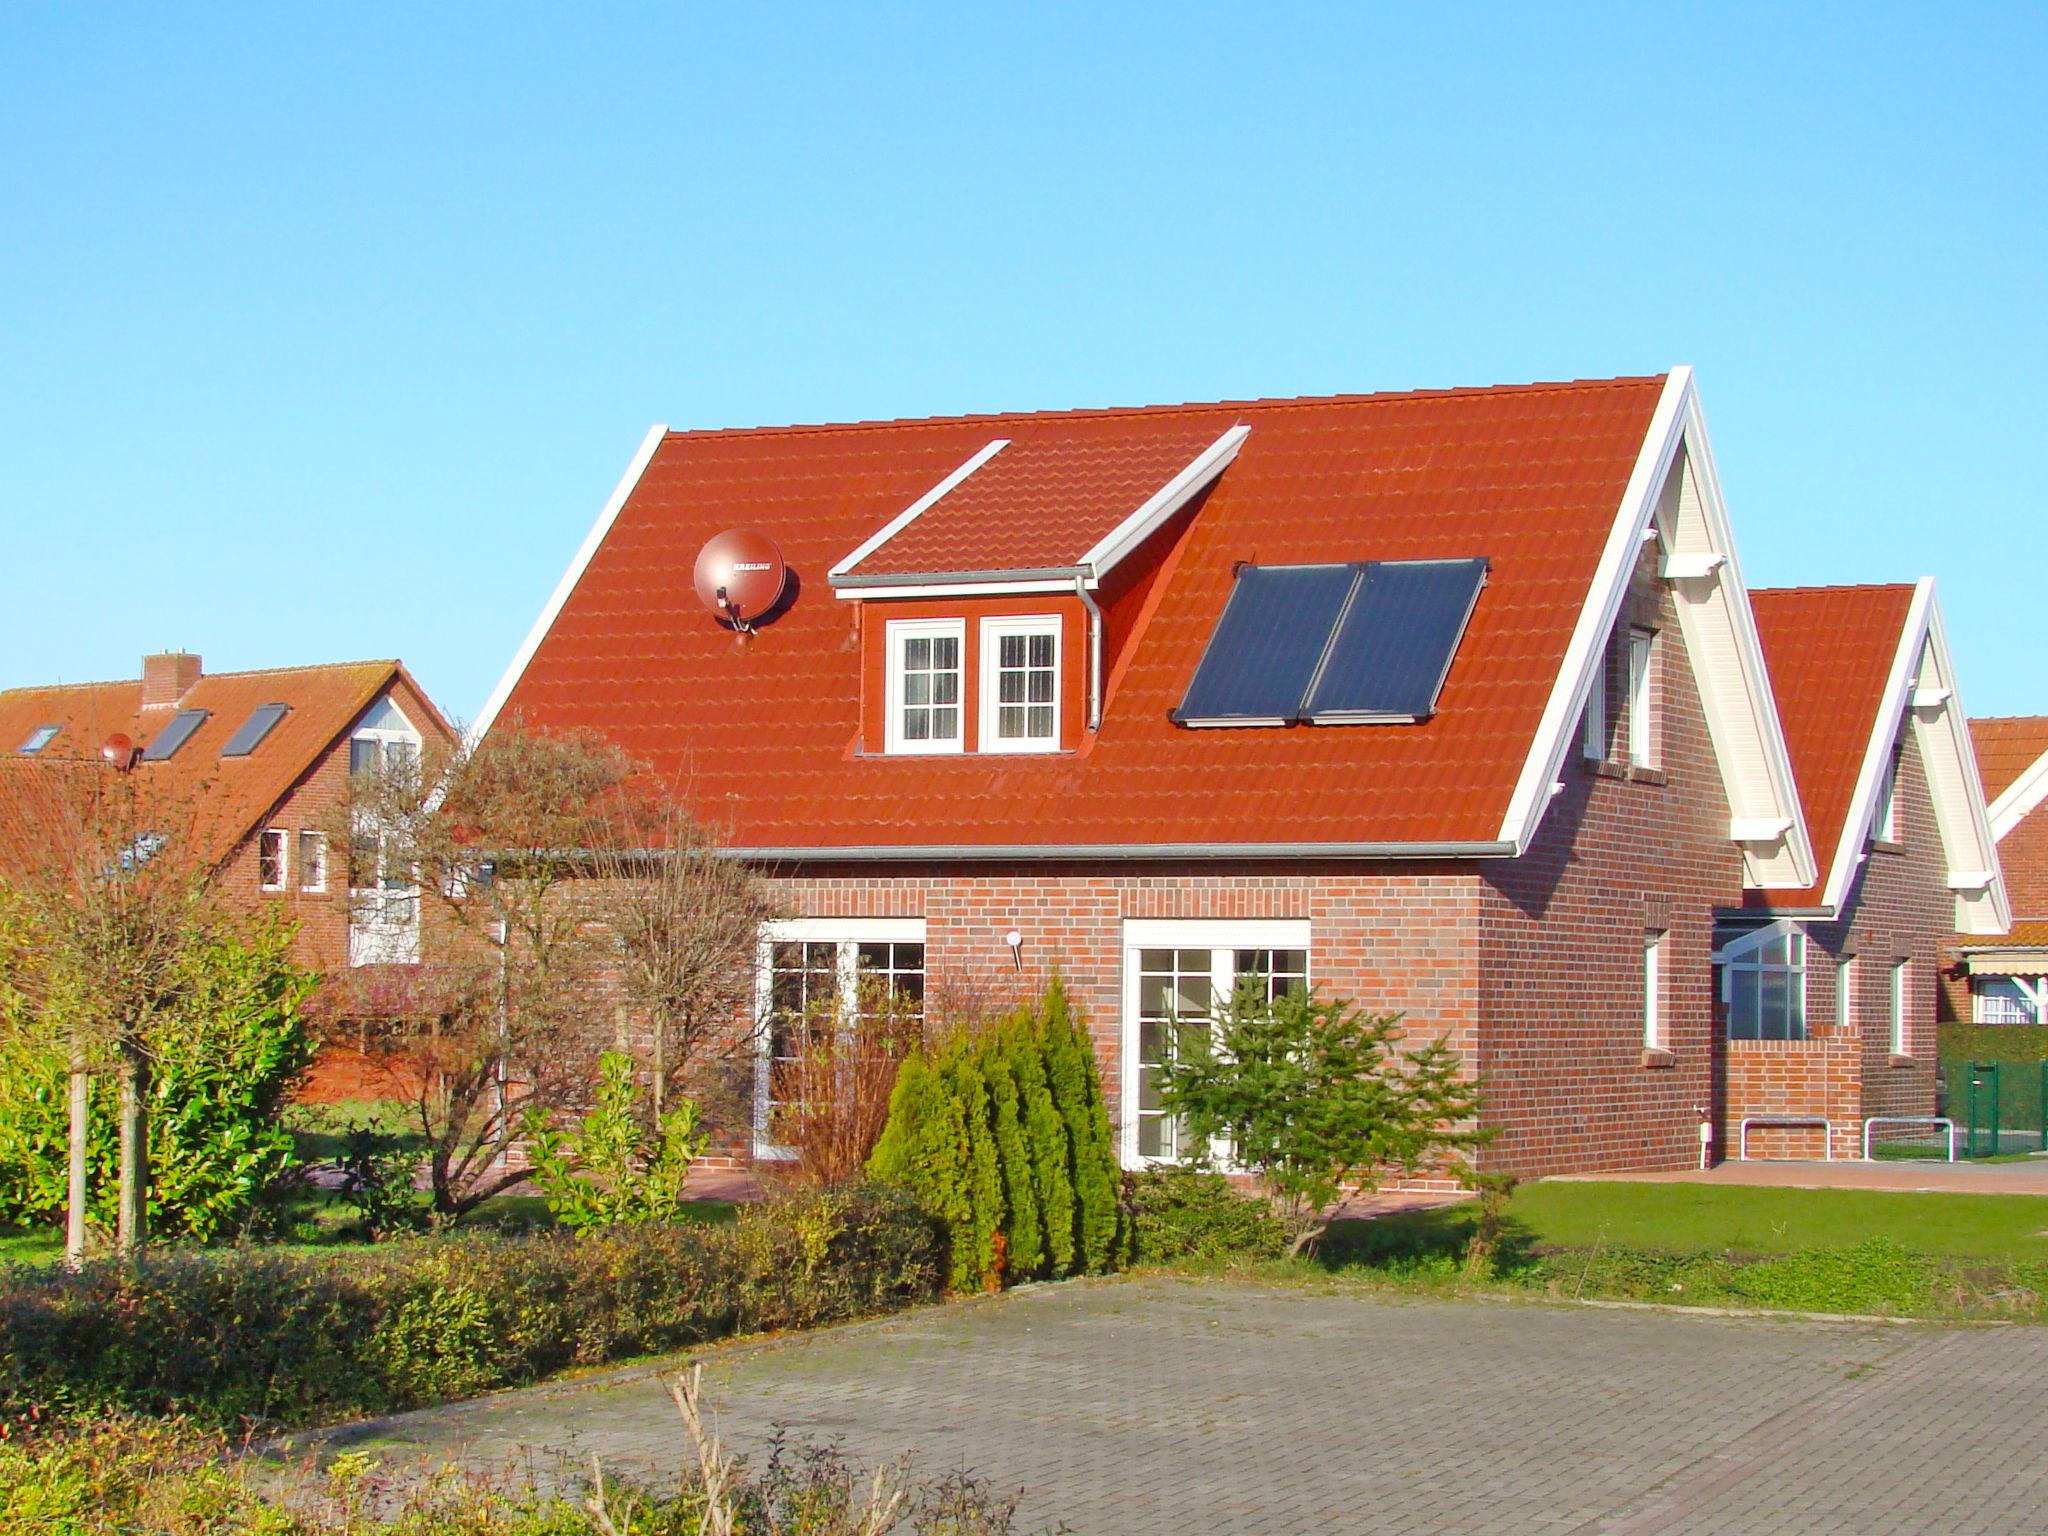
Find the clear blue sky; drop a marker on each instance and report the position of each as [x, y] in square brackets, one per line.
[324, 332]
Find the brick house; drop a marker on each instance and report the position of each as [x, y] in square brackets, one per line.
[2005, 980]
[1451, 703]
[260, 762]
[1830, 995]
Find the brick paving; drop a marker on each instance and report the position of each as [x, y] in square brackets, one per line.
[1160, 1405]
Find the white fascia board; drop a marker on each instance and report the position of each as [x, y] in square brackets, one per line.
[1877, 751]
[1025, 588]
[592, 541]
[917, 508]
[1758, 829]
[1692, 567]
[1175, 494]
[1567, 700]
[2019, 799]
[1969, 843]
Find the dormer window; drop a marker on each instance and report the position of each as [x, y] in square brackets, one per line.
[1020, 684]
[925, 665]
[39, 738]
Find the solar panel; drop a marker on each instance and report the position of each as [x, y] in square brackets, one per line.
[1265, 649]
[1395, 641]
[38, 739]
[174, 735]
[254, 729]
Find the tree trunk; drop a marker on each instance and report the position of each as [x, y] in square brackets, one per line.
[660, 1065]
[74, 1195]
[132, 1229]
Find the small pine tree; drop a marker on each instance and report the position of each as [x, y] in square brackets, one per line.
[978, 1261]
[1045, 1136]
[924, 1149]
[1077, 1090]
[1024, 1243]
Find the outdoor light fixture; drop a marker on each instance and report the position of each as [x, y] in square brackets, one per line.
[1016, 942]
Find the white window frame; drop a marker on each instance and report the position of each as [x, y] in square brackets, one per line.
[318, 865]
[1884, 818]
[1593, 724]
[1655, 1032]
[1845, 994]
[284, 859]
[1901, 990]
[993, 630]
[1731, 957]
[385, 734]
[1642, 741]
[1222, 937]
[898, 632]
[2033, 995]
[849, 933]
[384, 921]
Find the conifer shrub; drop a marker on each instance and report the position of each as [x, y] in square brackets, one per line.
[1003, 1137]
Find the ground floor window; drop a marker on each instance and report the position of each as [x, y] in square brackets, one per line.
[1763, 982]
[1177, 974]
[825, 973]
[2009, 999]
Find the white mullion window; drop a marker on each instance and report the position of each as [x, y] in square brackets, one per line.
[2008, 1000]
[1641, 701]
[1178, 974]
[807, 966]
[272, 860]
[1845, 994]
[1593, 725]
[1763, 982]
[1654, 1031]
[1020, 684]
[1901, 992]
[925, 692]
[312, 861]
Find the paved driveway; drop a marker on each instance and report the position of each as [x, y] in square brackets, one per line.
[1158, 1405]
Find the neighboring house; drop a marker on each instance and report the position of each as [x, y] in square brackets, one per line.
[1830, 994]
[259, 762]
[1451, 703]
[2005, 980]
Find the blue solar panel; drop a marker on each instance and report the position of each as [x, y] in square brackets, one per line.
[1395, 641]
[174, 735]
[1264, 651]
[254, 729]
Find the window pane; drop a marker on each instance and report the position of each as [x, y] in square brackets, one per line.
[945, 687]
[1151, 1136]
[1040, 685]
[1040, 723]
[1743, 1014]
[1010, 688]
[917, 654]
[1041, 650]
[945, 724]
[1010, 651]
[362, 754]
[946, 653]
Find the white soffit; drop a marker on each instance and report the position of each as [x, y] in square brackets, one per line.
[553, 607]
[1674, 496]
[2020, 799]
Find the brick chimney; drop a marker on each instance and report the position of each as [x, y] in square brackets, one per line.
[167, 677]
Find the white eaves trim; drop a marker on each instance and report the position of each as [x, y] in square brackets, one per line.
[1674, 476]
[917, 508]
[2019, 799]
[1920, 689]
[1113, 547]
[592, 541]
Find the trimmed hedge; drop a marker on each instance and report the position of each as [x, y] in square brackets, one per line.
[275, 1338]
[1179, 1214]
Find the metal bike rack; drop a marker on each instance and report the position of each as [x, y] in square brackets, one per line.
[1941, 1120]
[1807, 1122]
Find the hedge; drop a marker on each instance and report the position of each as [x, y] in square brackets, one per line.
[245, 1335]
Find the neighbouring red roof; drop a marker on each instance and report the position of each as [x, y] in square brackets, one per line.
[763, 735]
[223, 798]
[2007, 746]
[1045, 500]
[1830, 652]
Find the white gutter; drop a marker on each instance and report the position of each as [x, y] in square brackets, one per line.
[1094, 652]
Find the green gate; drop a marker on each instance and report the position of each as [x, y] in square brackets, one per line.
[1998, 1106]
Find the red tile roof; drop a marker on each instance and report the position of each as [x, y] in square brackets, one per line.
[2007, 746]
[1045, 500]
[765, 734]
[1830, 652]
[224, 797]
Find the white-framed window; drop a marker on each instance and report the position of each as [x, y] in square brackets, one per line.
[1642, 720]
[2009, 999]
[926, 699]
[1593, 724]
[1901, 994]
[1020, 684]
[1763, 983]
[815, 968]
[1845, 994]
[312, 861]
[271, 859]
[1884, 817]
[1655, 1030]
[383, 738]
[1177, 974]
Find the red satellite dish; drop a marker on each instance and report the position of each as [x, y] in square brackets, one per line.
[740, 576]
[118, 750]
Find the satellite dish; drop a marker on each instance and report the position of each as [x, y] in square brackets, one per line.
[740, 576]
[119, 750]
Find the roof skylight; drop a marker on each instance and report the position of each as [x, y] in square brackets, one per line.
[254, 729]
[38, 739]
[174, 735]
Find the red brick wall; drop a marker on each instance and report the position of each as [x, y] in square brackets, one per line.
[2023, 855]
[1621, 852]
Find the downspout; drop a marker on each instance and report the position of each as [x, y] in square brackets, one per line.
[1094, 652]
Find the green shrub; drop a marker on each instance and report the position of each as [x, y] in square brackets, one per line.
[300, 1338]
[1181, 1213]
[223, 1070]
[1024, 1238]
[1092, 1170]
[613, 1171]
[1045, 1136]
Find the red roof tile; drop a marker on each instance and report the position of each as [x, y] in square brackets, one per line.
[1830, 652]
[764, 734]
[2007, 746]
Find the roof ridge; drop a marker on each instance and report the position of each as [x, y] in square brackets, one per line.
[136, 682]
[1838, 586]
[1104, 412]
